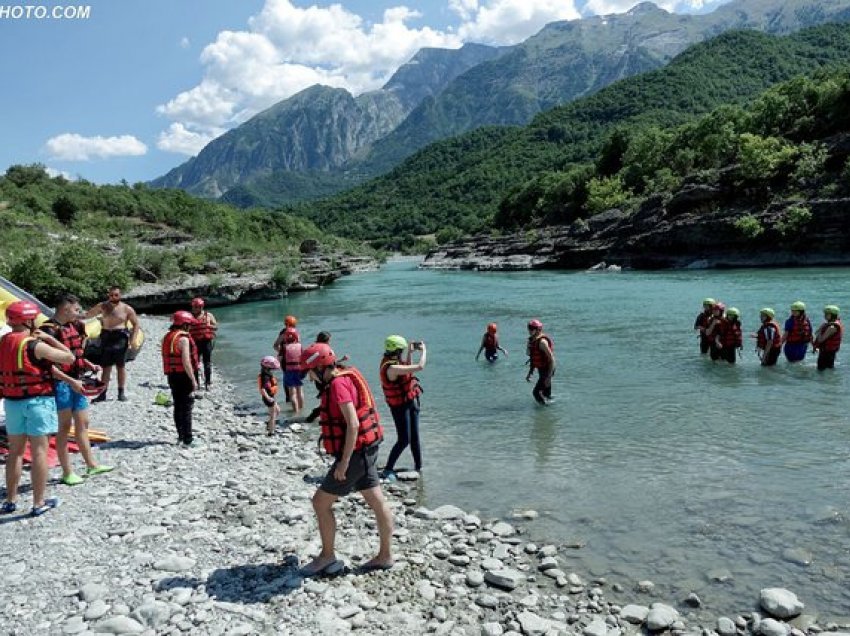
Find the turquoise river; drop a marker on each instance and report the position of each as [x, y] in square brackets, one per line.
[700, 477]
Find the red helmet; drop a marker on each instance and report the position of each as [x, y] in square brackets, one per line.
[492, 328]
[317, 354]
[290, 335]
[198, 302]
[20, 312]
[535, 324]
[182, 318]
[270, 362]
[290, 321]
[720, 306]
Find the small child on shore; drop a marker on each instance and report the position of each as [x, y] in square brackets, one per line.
[267, 384]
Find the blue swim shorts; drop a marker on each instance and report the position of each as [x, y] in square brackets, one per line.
[795, 352]
[66, 399]
[292, 378]
[35, 416]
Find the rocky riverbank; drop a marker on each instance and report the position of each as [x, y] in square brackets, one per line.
[209, 540]
[696, 229]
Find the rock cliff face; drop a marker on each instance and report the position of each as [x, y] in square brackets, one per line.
[320, 128]
[692, 230]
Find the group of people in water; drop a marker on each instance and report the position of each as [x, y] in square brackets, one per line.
[721, 334]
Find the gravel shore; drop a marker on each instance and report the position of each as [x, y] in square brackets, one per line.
[209, 540]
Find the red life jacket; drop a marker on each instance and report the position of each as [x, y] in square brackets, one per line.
[203, 330]
[268, 382]
[833, 343]
[490, 341]
[172, 357]
[292, 356]
[370, 431]
[405, 388]
[72, 335]
[730, 334]
[535, 355]
[800, 332]
[761, 335]
[20, 377]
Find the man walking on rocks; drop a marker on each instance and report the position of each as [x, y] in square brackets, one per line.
[351, 432]
[115, 338]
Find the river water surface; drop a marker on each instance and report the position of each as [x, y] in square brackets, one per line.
[700, 477]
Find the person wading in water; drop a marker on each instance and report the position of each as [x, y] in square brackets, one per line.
[541, 357]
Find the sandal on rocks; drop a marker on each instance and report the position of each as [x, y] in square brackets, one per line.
[330, 569]
[48, 505]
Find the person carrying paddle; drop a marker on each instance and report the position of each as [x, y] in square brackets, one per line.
[27, 356]
[71, 401]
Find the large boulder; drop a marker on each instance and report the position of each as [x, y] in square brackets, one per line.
[780, 603]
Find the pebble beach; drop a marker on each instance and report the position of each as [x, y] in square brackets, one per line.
[210, 539]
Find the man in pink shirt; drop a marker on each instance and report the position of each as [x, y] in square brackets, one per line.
[351, 432]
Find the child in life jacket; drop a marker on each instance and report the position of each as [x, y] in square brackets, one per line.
[267, 385]
[490, 344]
[292, 376]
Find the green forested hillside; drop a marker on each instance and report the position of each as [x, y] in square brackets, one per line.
[458, 184]
[77, 236]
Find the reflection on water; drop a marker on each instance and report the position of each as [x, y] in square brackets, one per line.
[664, 465]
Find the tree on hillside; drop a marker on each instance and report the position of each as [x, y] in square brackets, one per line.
[65, 210]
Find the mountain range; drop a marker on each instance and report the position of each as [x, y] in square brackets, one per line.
[324, 140]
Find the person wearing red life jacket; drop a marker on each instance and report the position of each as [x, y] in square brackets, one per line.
[768, 338]
[351, 433]
[827, 339]
[401, 392]
[27, 359]
[729, 337]
[798, 333]
[490, 344]
[204, 332]
[713, 327]
[292, 376]
[267, 385]
[71, 393]
[541, 357]
[289, 322]
[701, 323]
[179, 363]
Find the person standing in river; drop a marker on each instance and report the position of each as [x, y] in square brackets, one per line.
[713, 328]
[701, 323]
[768, 338]
[351, 433]
[203, 332]
[401, 392]
[827, 339]
[798, 333]
[490, 344]
[115, 338]
[541, 358]
[729, 337]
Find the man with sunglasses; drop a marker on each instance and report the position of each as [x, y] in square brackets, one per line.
[115, 338]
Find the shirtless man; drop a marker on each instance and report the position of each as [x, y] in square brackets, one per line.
[115, 338]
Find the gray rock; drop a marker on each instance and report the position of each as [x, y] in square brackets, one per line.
[597, 627]
[119, 625]
[798, 556]
[426, 590]
[634, 614]
[693, 600]
[492, 564]
[487, 600]
[547, 563]
[719, 575]
[96, 610]
[491, 629]
[153, 613]
[645, 586]
[424, 513]
[92, 591]
[502, 529]
[445, 513]
[440, 613]
[726, 626]
[547, 551]
[505, 578]
[474, 578]
[74, 625]
[174, 563]
[780, 602]
[772, 627]
[660, 617]
[459, 560]
[348, 611]
[533, 625]
[181, 595]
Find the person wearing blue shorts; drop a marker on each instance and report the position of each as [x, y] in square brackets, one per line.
[71, 402]
[798, 333]
[27, 356]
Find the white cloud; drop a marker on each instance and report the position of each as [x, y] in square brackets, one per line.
[288, 48]
[185, 43]
[74, 147]
[606, 7]
[53, 173]
[184, 141]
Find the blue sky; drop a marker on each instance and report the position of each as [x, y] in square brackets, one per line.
[140, 85]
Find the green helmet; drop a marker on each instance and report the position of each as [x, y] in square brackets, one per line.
[832, 309]
[767, 311]
[733, 312]
[708, 302]
[798, 306]
[395, 343]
